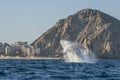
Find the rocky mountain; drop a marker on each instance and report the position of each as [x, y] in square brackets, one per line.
[93, 29]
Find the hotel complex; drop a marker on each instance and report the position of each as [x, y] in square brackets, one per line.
[21, 49]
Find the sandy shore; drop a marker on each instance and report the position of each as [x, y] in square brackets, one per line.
[28, 58]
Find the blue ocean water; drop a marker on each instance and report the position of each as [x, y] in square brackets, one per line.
[25, 69]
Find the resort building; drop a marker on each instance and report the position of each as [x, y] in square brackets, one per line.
[21, 49]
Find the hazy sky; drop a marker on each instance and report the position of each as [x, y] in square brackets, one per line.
[26, 20]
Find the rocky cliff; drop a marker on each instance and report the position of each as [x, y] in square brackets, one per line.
[91, 28]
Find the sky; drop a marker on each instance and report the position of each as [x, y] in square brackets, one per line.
[26, 20]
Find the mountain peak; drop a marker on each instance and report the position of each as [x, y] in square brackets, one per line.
[87, 13]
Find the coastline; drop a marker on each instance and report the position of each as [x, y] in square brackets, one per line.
[41, 58]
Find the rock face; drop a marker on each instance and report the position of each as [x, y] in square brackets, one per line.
[91, 28]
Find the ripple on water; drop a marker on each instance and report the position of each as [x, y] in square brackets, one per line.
[2, 74]
[58, 70]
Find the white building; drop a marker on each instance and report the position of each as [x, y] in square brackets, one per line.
[28, 51]
[7, 50]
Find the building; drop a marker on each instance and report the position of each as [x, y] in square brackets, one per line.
[8, 50]
[27, 51]
[1, 48]
[20, 44]
[37, 51]
[30, 51]
[21, 49]
[18, 48]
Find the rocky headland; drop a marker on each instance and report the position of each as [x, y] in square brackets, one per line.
[91, 28]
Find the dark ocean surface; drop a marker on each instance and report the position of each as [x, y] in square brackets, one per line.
[26, 69]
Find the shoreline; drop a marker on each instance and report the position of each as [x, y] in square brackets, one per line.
[28, 58]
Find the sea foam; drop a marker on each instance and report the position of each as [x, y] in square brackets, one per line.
[74, 52]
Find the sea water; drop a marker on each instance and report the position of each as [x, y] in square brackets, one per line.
[54, 69]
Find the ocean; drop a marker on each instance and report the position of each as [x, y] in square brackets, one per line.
[54, 69]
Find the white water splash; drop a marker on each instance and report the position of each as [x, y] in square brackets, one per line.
[74, 52]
